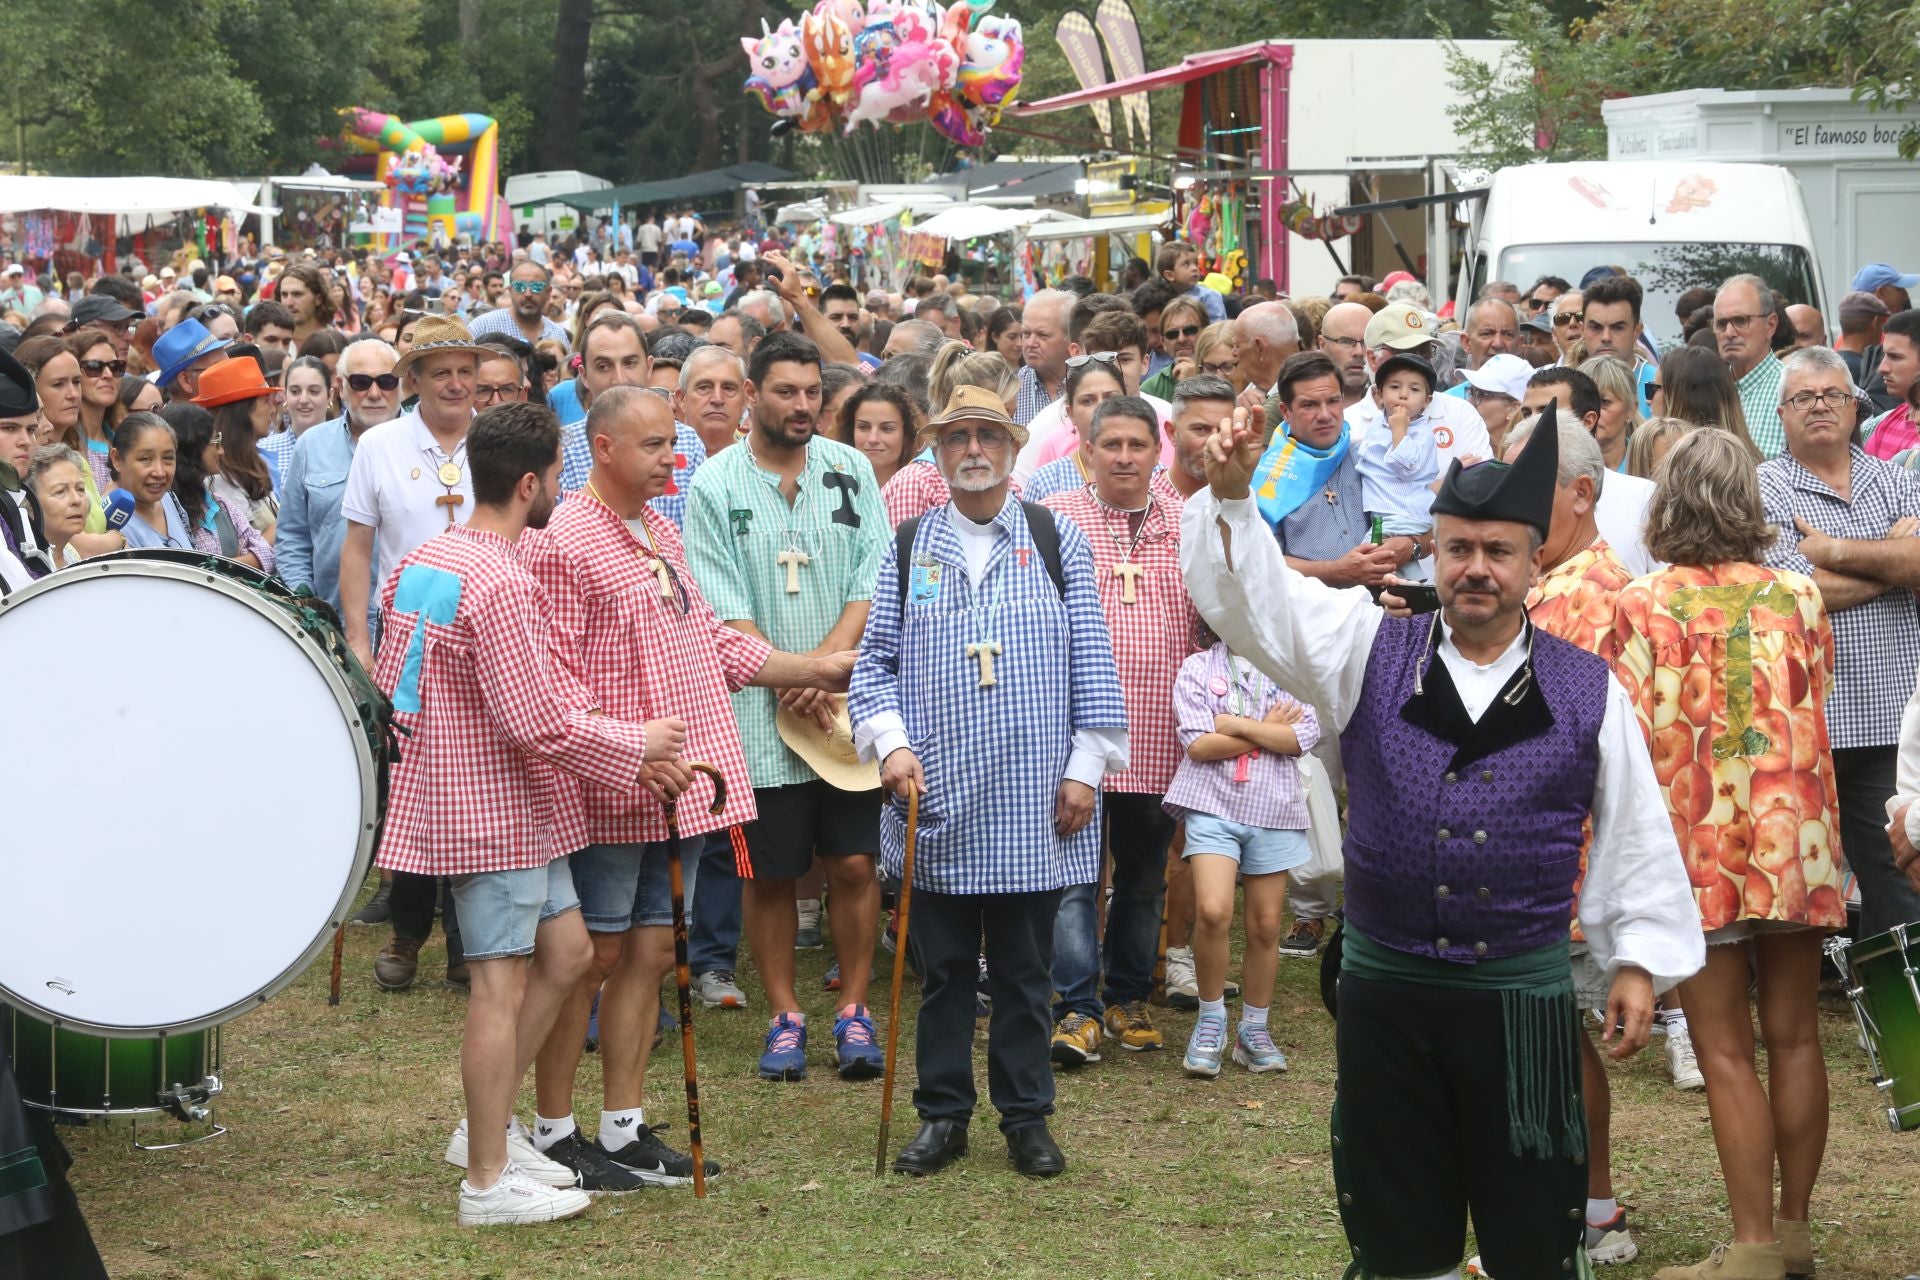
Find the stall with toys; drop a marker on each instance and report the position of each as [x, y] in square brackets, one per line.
[1280, 140]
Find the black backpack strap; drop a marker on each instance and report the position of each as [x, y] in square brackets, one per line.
[902, 552]
[1046, 536]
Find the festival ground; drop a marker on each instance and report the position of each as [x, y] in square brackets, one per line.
[339, 1116]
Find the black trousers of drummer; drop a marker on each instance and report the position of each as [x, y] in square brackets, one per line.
[946, 934]
[42, 1231]
[1421, 1138]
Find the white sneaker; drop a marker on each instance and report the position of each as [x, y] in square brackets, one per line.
[521, 1154]
[718, 990]
[1183, 990]
[1680, 1060]
[518, 1198]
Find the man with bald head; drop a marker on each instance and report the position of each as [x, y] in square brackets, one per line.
[629, 613]
[1267, 334]
[1343, 332]
[1809, 326]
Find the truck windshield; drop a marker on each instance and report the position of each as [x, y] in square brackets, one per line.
[1665, 271]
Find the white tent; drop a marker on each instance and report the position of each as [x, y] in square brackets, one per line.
[1112, 224]
[128, 197]
[975, 221]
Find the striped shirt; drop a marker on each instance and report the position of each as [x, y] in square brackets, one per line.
[1033, 396]
[1760, 402]
[1213, 682]
[745, 544]
[1876, 644]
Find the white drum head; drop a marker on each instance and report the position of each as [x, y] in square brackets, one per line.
[193, 806]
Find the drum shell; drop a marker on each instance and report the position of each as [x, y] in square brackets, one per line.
[1883, 968]
[80, 1077]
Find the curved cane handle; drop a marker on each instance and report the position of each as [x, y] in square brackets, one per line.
[719, 783]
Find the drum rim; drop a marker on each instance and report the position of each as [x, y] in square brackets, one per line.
[236, 589]
[1903, 939]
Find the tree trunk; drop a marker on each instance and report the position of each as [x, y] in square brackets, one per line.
[469, 23]
[567, 90]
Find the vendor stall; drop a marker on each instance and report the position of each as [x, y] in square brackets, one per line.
[88, 225]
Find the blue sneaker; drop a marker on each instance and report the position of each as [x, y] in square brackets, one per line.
[831, 982]
[786, 1055]
[1254, 1049]
[1205, 1046]
[860, 1056]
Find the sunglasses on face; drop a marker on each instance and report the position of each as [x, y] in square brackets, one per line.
[94, 368]
[1566, 318]
[529, 286]
[1093, 357]
[1538, 304]
[363, 382]
[1184, 331]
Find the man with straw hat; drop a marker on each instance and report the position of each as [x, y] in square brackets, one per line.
[987, 682]
[627, 610]
[409, 481]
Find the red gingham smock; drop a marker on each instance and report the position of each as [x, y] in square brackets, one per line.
[1152, 636]
[476, 788]
[644, 660]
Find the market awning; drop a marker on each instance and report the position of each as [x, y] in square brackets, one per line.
[127, 196]
[1119, 224]
[975, 221]
[693, 186]
[1192, 67]
[867, 215]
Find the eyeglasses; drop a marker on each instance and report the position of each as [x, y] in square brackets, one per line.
[1332, 341]
[1479, 395]
[1220, 368]
[214, 438]
[1807, 401]
[990, 441]
[1093, 357]
[1184, 331]
[94, 368]
[1733, 324]
[1566, 318]
[1653, 389]
[363, 382]
[505, 391]
[529, 286]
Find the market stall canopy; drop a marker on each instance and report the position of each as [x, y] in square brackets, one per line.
[128, 196]
[974, 221]
[867, 215]
[1021, 181]
[806, 211]
[1119, 224]
[1193, 67]
[694, 186]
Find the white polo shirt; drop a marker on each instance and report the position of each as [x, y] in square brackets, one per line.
[393, 486]
[1621, 514]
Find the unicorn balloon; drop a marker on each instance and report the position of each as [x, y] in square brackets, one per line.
[990, 69]
[781, 76]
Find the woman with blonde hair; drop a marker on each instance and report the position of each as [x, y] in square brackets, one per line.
[1619, 408]
[1651, 443]
[1728, 664]
[1217, 352]
[1694, 385]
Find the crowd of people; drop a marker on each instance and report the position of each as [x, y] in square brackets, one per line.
[1618, 717]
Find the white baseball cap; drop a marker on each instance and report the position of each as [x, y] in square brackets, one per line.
[14, 269]
[1503, 374]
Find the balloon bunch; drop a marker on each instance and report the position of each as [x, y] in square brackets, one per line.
[889, 61]
[1298, 217]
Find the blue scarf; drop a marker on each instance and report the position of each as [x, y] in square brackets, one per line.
[1290, 472]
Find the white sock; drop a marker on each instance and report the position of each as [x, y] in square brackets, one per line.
[618, 1128]
[1214, 1009]
[1676, 1019]
[1599, 1211]
[1252, 1016]
[547, 1132]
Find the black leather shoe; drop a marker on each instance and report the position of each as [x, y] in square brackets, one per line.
[938, 1144]
[1035, 1153]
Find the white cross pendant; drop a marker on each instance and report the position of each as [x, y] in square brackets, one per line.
[791, 562]
[1127, 572]
[984, 653]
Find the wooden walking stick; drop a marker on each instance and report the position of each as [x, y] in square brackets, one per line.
[899, 966]
[339, 944]
[683, 976]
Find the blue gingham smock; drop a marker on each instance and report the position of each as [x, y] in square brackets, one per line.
[994, 757]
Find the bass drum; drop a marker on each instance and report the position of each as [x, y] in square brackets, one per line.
[201, 766]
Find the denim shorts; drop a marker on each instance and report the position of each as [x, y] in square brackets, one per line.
[627, 886]
[500, 911]
[1260, 851]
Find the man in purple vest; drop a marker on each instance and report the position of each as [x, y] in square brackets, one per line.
[1476, 749]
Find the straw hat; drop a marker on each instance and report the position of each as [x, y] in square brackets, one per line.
[977, 403]
[831, 755]
[438, 333]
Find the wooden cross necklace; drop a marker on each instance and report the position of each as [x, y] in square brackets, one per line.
[792, 557]
[449, 474]
[986, 648]
[1127, 571]
[656, 563]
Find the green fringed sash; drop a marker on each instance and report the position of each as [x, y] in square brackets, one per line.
[1542, 1030]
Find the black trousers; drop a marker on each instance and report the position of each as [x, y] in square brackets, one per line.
[1420, 1138]
[945, 931]
[412, 899]
[1865, 776]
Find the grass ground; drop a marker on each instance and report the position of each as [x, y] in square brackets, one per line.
[339, 1116]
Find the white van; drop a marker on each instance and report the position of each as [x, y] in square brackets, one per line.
[1671, 225]
[534, 198]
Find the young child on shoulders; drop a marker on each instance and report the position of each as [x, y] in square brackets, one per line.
[1398, 460]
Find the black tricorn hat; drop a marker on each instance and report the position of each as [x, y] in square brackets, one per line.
[18, 397]
[1521, 491]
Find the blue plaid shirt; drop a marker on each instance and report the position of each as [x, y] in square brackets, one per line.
[993, 756]
[1033, 396]
[576, 463]
[277, 449]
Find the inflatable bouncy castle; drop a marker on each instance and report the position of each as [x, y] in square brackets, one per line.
[443, 173]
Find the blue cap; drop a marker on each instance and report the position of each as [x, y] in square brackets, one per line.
[1598, 273]
[1878, 275]
[181, 345]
